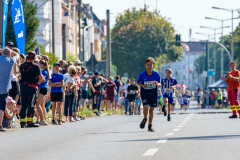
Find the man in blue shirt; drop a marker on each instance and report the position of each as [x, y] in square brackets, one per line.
[169, 85]
[7, 61]
[149, 81]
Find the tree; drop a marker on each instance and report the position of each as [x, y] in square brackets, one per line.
[139, 34]
[31, 22]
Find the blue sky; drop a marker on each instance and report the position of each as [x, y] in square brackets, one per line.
[183, 14]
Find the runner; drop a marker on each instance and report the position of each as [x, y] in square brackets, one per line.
[118, 84]
[110, 86]
[185, 101]
[169, 85]
[124, 93]
[149, 81]
[132, 92]
[96, 82]
[233, 88]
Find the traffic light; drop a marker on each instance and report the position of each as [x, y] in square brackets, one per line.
[178, 40]
[84, 22]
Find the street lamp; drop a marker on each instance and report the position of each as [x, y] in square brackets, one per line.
[232, 11]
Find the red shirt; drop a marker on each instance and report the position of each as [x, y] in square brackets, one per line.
[110, 86]
[232, 84]
[77, 77]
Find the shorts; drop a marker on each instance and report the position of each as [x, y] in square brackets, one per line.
[198, 99]
[90, 96]
[109, 98]
[3, 103]
[148, 99]
[185, 102]
[84, 94]
[43, 91]
[219, 101]
[57, 96]
[138, 102]
[15, 90]
[170, 99]
[131, 98]
[213, 102]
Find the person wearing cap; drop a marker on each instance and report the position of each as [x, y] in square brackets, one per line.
[96, 82]
[233, 88]
[219, 98]
[77, 63]
[30, 77]
[10, 45]
[7, 61]
[56, 83]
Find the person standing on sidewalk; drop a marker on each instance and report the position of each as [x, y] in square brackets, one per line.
[233, 88]
[30, 77]
[96, 95]
[219, 98]
[8, 59]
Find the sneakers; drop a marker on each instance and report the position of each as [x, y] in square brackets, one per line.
[2, 129]
[76, 119]
[82, 118]
[97, 114]
[23, 124]
[169, 118]
[60, 122]
[233, 116]
[42, 122]
[150, 129]
[54, 122]
[143, 123]
[164, 110]
[33, 125]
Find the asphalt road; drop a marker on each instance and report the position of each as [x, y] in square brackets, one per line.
[200, 135]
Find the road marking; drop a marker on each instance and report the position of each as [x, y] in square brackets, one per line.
[150, 152]
[185, 121]
[169, 134]
[182, 124]
[179, 126]
[175, 130]
[162, 141]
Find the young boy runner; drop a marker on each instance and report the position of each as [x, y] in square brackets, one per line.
[149, 81]
[132, 92]
[169, 85]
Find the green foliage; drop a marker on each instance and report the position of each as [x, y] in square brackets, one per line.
[139, 34]
[71, 57]
[32, 24]
[52, 58]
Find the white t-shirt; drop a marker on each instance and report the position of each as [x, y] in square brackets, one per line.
[68, 79]
[125, 87]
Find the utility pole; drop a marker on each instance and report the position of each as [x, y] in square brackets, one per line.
[1, 24]
[53, 35]
[79, 30]
[207, 69]
[109, 58]
[222, 72]
[232, 46]
[214, 52]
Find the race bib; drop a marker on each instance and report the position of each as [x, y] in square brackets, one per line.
[168, 90]
[132, 92]
[149, 84]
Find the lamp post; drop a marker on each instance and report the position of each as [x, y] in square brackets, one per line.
[232, 11]
[214, 29]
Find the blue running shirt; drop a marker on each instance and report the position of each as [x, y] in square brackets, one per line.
[166, 84]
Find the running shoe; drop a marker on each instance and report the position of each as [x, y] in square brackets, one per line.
[2, 129]
[60, 122]
[42, 122]
[143, 123]
[82, 118]
[233, 116]
[54, 122]
[76, 119]
[97, 114]
[150, 129]
[169, 118]
[164, 110]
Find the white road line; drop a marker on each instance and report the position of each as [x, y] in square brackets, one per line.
[175, 130]
[179, 126]
[185, 121]
[182, 124]
[162, 141]
[150, 152]
[169, 134]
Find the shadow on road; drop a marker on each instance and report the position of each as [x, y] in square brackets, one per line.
[217, 137]
[113, 132]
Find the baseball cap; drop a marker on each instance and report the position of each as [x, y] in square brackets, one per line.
[32, 55]
[96, 73]
[10, 44]
[55, 64]
[78, 62]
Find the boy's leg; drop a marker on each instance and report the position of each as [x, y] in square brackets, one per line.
[145, 113]
[151, 111]
[165, 101]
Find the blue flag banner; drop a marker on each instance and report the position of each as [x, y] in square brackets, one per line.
[18, 18]
[5, 16]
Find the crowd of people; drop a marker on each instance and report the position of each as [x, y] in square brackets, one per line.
[29, 86]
